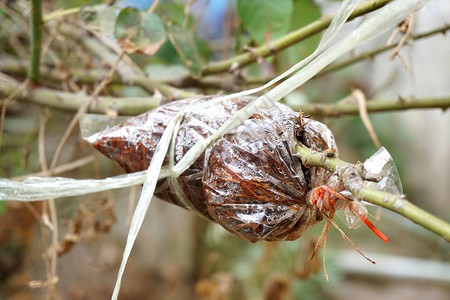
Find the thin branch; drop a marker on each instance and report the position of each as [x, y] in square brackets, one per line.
[15, 16]
[376, 51]
[71, 102]
[46, 49]
[44, 116]
[358, 58]
[60, 13]
[395, 203]
[187, 7]
[355, 59]
[52, 278]
[338, 110]
[13, 66]
[36, 26]
[405, 29]
[12, 95]
[286, 41]
[364, 115]
[62, 168]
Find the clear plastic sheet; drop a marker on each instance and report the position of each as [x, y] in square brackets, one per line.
[249, 181]
[383, 177]
[93, 123]
[382, 164]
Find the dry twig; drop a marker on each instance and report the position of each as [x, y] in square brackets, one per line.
[52, 223]
[6, 102]
[61, 168]
[361, 98]
[405, 29]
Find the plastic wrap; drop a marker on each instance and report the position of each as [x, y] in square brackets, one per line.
[381, 170]
[382, 164]
[249, 181]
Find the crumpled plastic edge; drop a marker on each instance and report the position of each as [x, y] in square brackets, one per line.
[381, 163]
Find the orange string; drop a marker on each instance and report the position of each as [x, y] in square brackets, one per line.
[374, 229]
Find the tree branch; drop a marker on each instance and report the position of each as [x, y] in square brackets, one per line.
[36, 26]
[72, 102]
[372, 53]
[61, 168]
[395, 203]
[11, 65]
[136, 105]
[284, 42]
[338, 110]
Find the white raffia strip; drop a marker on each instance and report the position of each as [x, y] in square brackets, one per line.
[42, 188]
[146, 196]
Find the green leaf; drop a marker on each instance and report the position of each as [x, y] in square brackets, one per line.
[265, 17]
[99, 18]
[184, 44]
[304, 12]
[174, 13]
[139, 32]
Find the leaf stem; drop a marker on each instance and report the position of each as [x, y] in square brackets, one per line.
[395, 203]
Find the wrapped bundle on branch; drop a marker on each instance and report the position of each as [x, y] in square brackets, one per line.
[250, 181]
